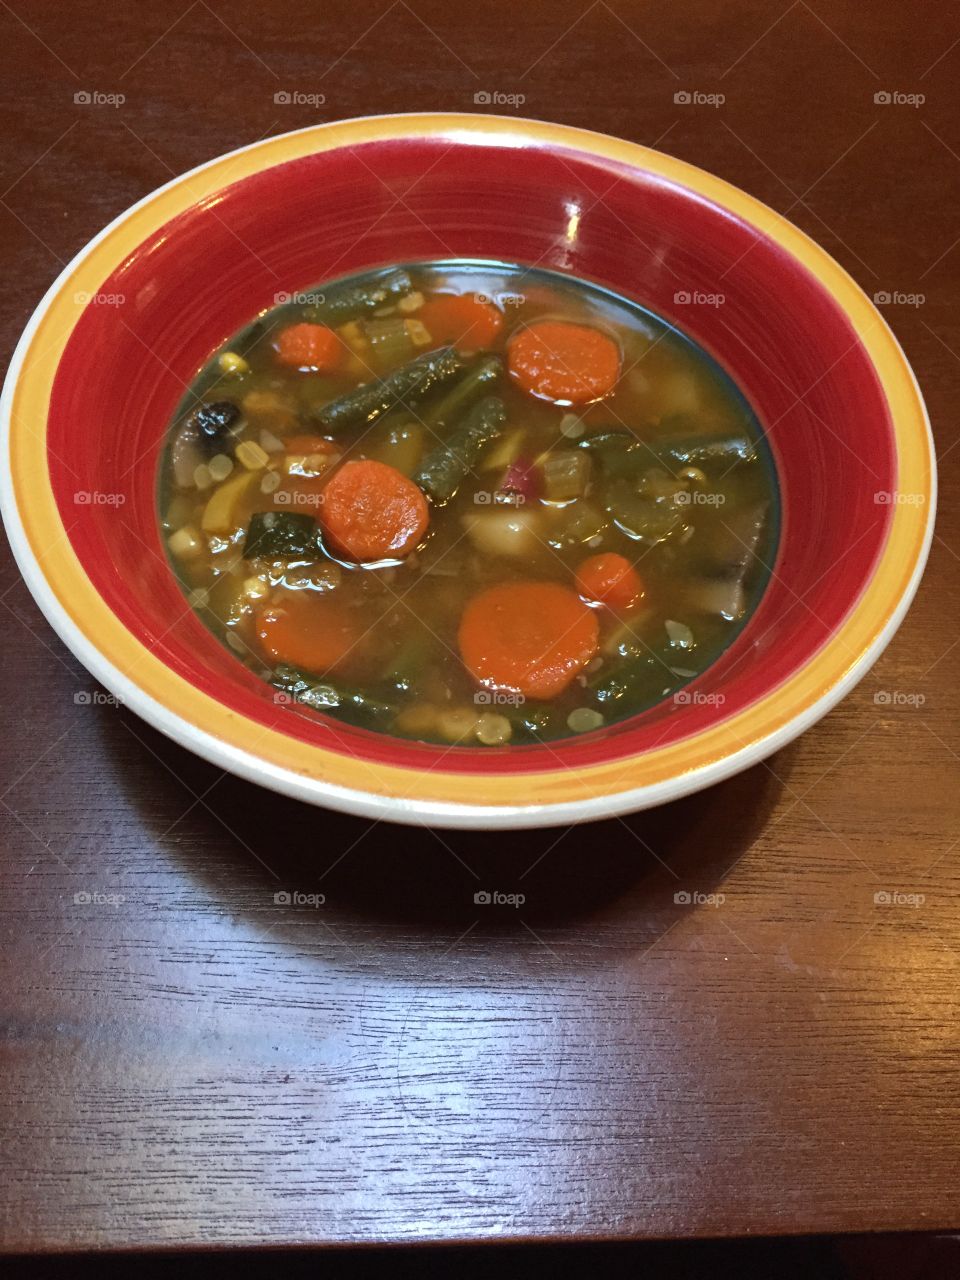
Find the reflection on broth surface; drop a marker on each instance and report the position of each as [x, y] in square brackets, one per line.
[470, 503]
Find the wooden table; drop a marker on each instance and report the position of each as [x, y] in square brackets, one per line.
[185, 1062]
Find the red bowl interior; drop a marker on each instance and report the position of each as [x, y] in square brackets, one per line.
[202, 276]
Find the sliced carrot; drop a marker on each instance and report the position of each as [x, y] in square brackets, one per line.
[564, 362]
[371, 511]
[310, 346]
[609, 579]
[313, 631]
[530, 637]
[467, 321]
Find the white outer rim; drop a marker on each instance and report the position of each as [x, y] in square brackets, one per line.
[365, 804]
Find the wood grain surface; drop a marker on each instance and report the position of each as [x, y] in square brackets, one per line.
[186, 1061]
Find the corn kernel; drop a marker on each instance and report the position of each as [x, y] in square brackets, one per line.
[220, 467]
[250, 455]
[418, 333]
[230, 362]
[186, 543]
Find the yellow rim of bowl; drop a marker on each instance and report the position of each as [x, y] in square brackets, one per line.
[46, 536]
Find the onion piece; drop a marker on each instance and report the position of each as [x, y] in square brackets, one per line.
[505, 532]
[185, 456]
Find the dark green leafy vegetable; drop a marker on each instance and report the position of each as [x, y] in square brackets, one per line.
[632, 680]
[622, 454]
[345, 302]
[476, 382]
[280, 535]
[533, 722]
[407, 663]
[446, 467]
[406, 385]
[325, 695]
[644, 516]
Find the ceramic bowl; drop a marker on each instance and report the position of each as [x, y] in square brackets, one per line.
[106, 356]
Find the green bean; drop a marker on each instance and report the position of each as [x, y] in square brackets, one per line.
[446, 467]
[704, 451]
[478, 380]
[344, 302]
[622, 454]
[408, 384]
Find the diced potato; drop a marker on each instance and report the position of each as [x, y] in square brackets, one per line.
[505, 532]
[260, 401]
[219, 515]
[418, 720]
[458, 723]
[493, 730]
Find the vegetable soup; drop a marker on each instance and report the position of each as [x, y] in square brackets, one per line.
[470, 503]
